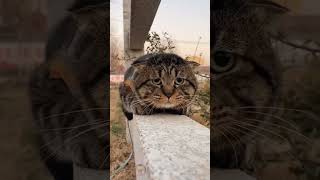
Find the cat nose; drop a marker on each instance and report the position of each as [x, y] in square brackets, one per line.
[168, 90]
[168, 94]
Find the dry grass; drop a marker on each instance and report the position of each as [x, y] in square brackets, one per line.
[120, 149]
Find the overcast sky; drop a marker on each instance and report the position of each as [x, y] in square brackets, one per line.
[184, 20]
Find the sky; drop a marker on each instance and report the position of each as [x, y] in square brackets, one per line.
[185, 21]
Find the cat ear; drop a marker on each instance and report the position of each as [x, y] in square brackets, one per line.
[138, 65]
[81, 11]
[129, 84]
[268, 12]
[193, 64]
[268, 7]
[89, 5]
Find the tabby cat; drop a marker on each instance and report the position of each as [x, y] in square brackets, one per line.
[245, 76]
[69, 92]
[158, 83]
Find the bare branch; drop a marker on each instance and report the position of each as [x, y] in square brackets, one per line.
[298, 46]
[203, 75]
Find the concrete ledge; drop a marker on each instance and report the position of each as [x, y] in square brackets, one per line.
[170, 147]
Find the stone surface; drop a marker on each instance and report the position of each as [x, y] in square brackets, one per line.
[170, 147]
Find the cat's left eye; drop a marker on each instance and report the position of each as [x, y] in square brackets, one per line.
[223, 61]
[156, 81]
[179, 81]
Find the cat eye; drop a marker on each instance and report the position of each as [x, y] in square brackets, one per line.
[156, 81]
[179, 81]
[223, 61]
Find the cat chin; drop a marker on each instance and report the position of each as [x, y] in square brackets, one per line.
[167, 106]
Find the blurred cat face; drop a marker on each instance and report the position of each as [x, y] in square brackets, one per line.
[245, 70]
[167, 84]
[246, 76]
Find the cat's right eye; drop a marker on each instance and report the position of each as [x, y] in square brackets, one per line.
[156, 81]
[223, 61]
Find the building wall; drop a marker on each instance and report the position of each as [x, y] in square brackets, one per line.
[22, 54]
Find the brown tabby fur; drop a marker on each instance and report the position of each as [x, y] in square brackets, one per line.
[158, 83]
[69, 92]
[245, 76]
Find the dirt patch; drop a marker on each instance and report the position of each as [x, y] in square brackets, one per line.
[120, 150]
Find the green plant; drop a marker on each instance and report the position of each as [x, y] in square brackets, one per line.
[159, 44]
[202, 102]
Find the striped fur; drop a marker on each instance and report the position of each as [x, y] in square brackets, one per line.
[158, 83]
[69, 93]
[246, 74]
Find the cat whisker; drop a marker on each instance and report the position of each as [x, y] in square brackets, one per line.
[233, 135]
[273, 116]
[68, 132]
[104, 161]
[308, 140]
[136, 102]
[73, 112]
[263, 135]
[146, 108]
[263, 129]
[233, 147]
[103, 135]
[74, 127]
[70, 139]
[310, 114]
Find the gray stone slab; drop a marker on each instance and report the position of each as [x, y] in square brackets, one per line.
[170, 147]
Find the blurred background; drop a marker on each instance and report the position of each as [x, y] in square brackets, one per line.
[23, 32]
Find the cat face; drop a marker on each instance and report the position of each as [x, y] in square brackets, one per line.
[245, 77]
[77, 67]
[165, 81]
